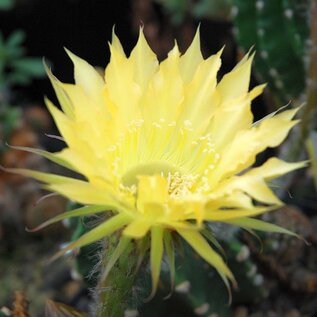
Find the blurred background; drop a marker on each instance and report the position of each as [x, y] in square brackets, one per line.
[279, 281]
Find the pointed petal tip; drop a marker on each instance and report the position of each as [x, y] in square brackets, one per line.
[68, 52]
[197, 33]
[40, 226]
[219, 53]
[74, 58]
[196, 39]
[46, 67]
[10, 170]
[251, 51]
[113, 30]
[58, 255]
[251, 56]
[31, 230]
[168, 296]
[113, 34]
[152, 294]
[49, 72]
[308, 243]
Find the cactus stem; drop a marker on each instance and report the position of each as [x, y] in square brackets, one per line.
[115, 287]
[311, 107]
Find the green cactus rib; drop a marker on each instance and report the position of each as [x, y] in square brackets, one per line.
[289, 68]
[245, 20]
[197, 285]
[278, 29]
[296, 19]
[201, 288]
[114, 290]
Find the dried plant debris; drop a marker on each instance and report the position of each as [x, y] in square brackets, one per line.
[55, 309]
[20, 305]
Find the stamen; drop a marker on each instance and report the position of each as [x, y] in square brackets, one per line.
[180, 185]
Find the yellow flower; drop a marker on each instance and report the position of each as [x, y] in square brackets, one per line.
[165, 148]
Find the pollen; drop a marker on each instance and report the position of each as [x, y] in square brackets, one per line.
[179, 186]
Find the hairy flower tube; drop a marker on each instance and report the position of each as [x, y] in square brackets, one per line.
[164, 148]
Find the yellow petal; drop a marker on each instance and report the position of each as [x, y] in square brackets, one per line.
[86, 76]
[54, 157]
[137, 229]
[191, 59]
[274, 168]
[84, 193]
[61, 94]
[162, 99]
[119, 73]
[250, 223]
[143, 60]
[106, 228]
[74, 189]
[236, 199]
[151, 189]
[200, 97]
[201, 246]
[67, 129]
[77, 160]
[233, 117]
[82, 211]
[224, 215]
[116, 44]
[236, 83]
[257, 189]
[269, 133]
[272, 131]
[40, 176]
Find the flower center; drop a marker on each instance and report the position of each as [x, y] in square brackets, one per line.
[130, 178]
[179, 184]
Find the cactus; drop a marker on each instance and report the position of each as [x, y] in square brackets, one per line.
[179, 10]
[87, 257]
[279, 30]
[199, 290]
[202, 288]
[198, 287]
